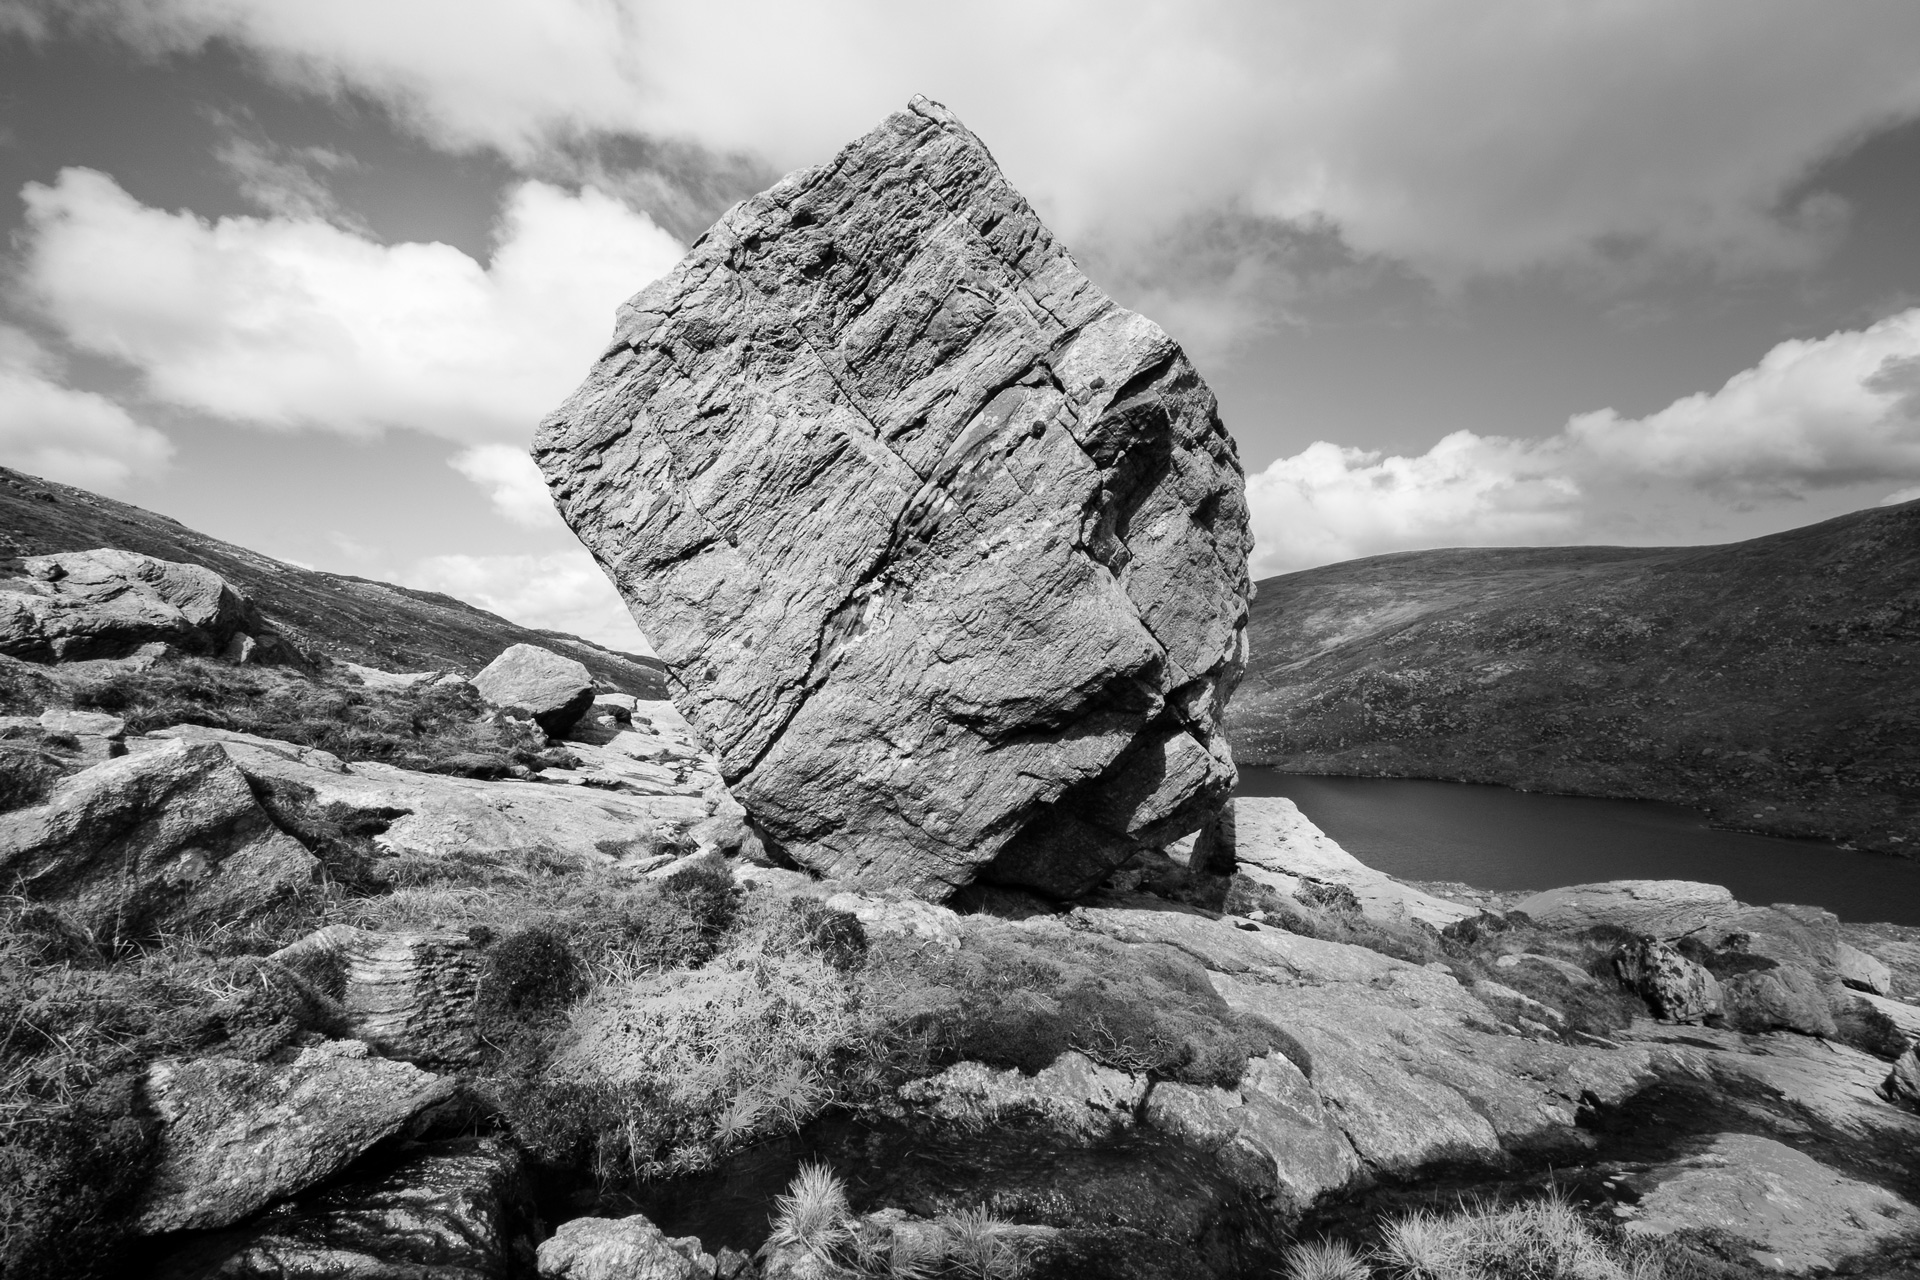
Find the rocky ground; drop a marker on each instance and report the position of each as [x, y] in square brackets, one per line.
[1768, 682]
[470, 990]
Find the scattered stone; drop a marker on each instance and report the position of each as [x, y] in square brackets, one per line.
[1674, 987]
[1903, 1083]
[83, 724]
[555, 690]
[1657, 908]
[399, 681]
[451, 1210]
[621, 1249]
[236, 1136]
[409, 995]
[1277, 845]
[111, 604]
[164, 839]
[1863, 971]
[1801, 1216]
[945, 550]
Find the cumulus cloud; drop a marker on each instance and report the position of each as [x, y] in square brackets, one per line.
[563, 591]
[291, 322]
[51, 430]
[513, 484]
[1461, 135]
[1813, 415]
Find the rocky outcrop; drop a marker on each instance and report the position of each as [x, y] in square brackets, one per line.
[1656, 908]
[1274, 844]
[1863, 971]
[1674, 987]
[409, 995]
[553, 689]
[946, 552]
[451, 1210]
[236, 1136]
[164, 839]
[630, 1248]
[109, 603]
[1903, 1082]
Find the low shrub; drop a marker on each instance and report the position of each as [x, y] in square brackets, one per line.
[1332, 914]
[1868, 1029]
[28, 773]
[1727, 961]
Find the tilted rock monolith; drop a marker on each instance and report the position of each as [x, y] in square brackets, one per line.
[945, 550]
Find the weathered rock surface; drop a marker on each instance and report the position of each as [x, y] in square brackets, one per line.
[629, 1248]
[454, 1210]
[1656, 908]
[1786, 996]
[438, 817]
[166, 838]
[1801, 1216]
[1073, 1095]
[946, 552]
[554, 689]
[1275, 844]
[1905, 1017]
[1674, 987]
[239, 1135]
[108, 603]
[1903, 1082]
[409, 995]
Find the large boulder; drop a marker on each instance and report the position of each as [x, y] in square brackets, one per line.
[553, 689]
[236, 1136]
[109, 603]
[165, 839]
[629, 1248]
[1674, 987]
[944, 550]
[1656, 908]
[410, 994]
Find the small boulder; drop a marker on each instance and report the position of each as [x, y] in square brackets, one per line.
[236, 1136]
[1784, 997]
[1861, 971]
[555, 690]
[1674, 987]
[166, 838]
[109, 603]
[621, 1249]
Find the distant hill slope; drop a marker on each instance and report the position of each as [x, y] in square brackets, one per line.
[1774, 682]
[376, 624]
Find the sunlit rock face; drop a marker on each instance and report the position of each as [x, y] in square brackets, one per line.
[945, 550]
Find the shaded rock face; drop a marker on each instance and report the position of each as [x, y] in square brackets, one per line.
[409, 995]
[108, 603]
[167, 838]
[238, 1135]
[453, 1210]
[946, 552]
[556, 690]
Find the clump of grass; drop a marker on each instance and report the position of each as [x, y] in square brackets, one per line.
[1544, 1239]
[1325, 1260]
[1022, 998]
[1869, 1030]
[978, 1245]
[813, 1214]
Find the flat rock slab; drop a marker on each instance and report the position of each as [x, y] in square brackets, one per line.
[945, 551]
[1657, 908]
[1801, 1216]
[1279, 846]
[236, 1136]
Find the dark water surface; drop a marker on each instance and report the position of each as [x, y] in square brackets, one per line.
[1493, 838]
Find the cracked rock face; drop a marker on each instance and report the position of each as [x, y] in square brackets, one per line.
[945, 550]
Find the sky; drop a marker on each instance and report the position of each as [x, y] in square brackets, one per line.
[1461, 272]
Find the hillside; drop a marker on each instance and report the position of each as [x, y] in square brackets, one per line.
[346, 618]
[1774, 682]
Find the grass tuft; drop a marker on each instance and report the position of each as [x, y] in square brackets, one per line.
[1325, 1260]
[814, 1214]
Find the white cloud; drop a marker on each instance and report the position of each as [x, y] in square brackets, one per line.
[289, 322]
[1815, 415]
[79, 437]
[563, 591]
[1459, 134]
[513, 484]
